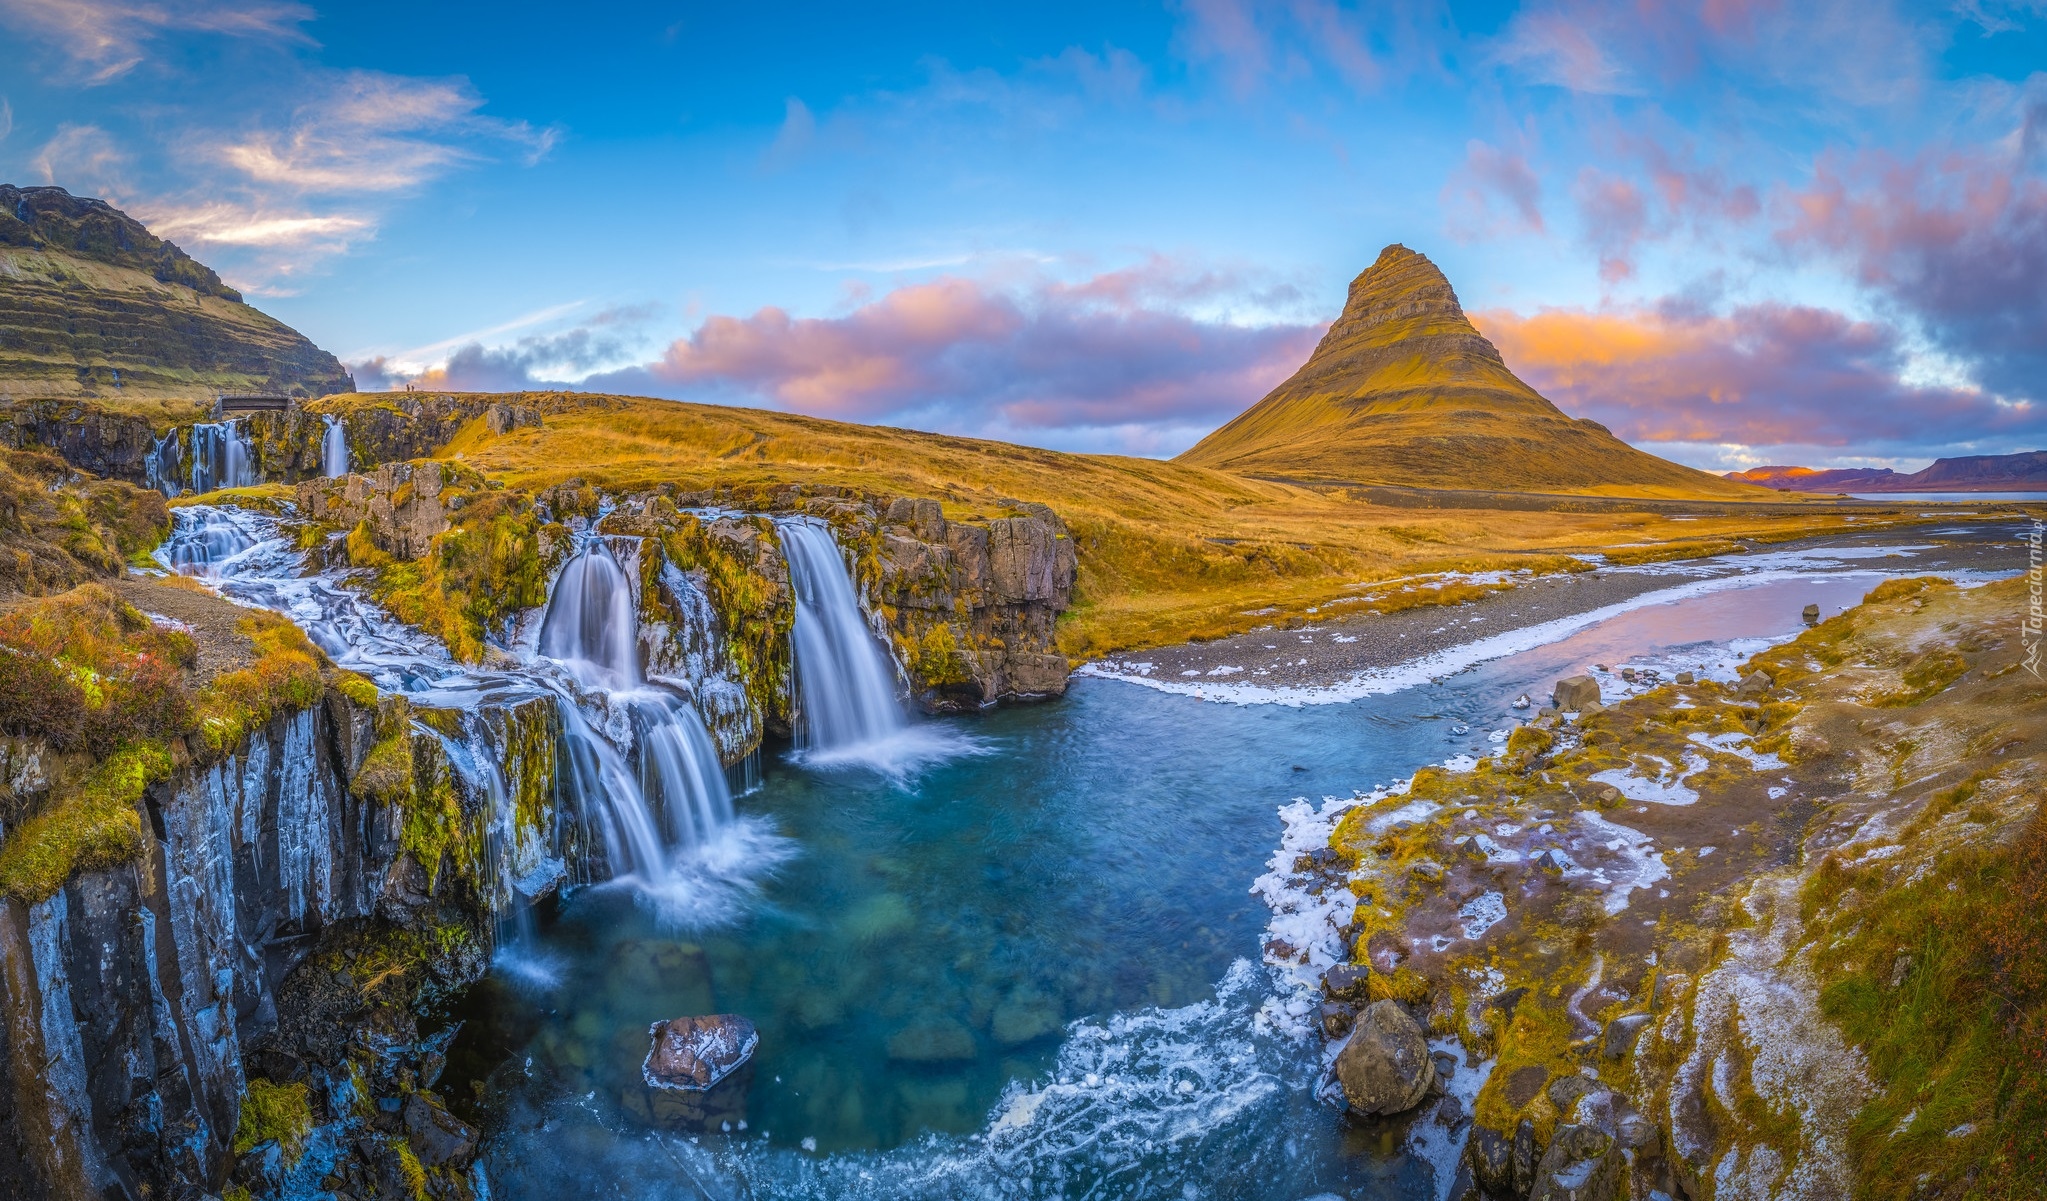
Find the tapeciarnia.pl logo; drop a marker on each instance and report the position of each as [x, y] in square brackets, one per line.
[2036, 597]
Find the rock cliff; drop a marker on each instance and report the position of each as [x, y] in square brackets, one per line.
[96, 305]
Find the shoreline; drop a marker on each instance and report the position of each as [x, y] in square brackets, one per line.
[1339, 659]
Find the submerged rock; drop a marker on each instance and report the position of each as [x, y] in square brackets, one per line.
[698, 1052]
[1385, 1068]
[939, 1040]
[698, 1072]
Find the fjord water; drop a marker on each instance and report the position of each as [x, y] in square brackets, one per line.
[1025, 972]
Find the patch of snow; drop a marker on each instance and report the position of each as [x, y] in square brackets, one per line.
[1482, 913]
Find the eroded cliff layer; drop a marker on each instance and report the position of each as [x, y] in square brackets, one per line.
[93, 304]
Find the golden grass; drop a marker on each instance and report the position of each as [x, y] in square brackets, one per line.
[1168, 551]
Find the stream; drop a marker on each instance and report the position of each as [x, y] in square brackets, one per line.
[1020, 960]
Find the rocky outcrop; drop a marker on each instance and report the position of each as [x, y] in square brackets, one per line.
[399, 505]
[98, 440]
[1385, 1068]
[96, 305]
[968, 606]
[278, 937]
[393, 426]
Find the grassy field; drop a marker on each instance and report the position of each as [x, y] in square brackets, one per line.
[1168, 551]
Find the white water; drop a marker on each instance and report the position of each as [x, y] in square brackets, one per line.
[846, 702]
[334, 448]
[676, 799]
[637, 767]
[221, 457]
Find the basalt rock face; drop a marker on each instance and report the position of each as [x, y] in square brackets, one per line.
[276, 933]
[394, 426]
[96, 305]
[968, 607]
[401, 502]
[1403, 389]
[101, 441]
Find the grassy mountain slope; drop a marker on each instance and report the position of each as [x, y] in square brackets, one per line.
[1168, 551]
[1404, 390]
[94, 305]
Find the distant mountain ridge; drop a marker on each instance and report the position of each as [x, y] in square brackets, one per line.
[2023, 472]
[1404, 390]
[94, 305]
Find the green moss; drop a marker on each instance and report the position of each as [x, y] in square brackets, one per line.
[1530, 740]
[357, 688]
[279, 1112]
[95, 827]
[386, 775]
[937, 659]
[285, 676]
[413, 1171]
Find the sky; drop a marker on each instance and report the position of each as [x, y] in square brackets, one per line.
[1736, 232]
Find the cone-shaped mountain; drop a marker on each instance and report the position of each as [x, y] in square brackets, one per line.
[1403, 389]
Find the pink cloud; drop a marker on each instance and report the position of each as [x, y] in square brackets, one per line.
[1956, 240]
[1490, 174]
[964, 355]
[1763, 375]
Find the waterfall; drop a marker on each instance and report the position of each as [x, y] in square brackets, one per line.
[634, 761]
[845, 687]
[160, 469]
[334, 448]
[675, 797]
[221, 457]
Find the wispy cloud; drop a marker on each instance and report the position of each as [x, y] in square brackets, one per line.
[371, 132]
[105, 39]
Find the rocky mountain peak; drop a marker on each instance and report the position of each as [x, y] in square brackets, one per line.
[49, 218]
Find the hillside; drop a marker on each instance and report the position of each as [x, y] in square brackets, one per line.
[94, 305]
[1404, 390]
[1168, 551]
[2024, 472]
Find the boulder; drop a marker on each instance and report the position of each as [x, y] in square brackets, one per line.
[1621, 1034]
[1811, 614]
[1686, 677]
[1337, 1018]
[698, 1073]
[1489, 1158]
[1385, 1067]
[1755, 683]
[1347, 982]
[697, 1052]
[1573, 693]
[1581, 1164]
[438, 1137]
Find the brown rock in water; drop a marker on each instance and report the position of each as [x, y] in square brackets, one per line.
[698, 1052]
[1573, 693]
[1385, 1068]
[698, 1072]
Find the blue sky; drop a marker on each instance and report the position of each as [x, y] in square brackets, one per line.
[1737, 232]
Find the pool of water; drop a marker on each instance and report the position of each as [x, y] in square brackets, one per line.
[1027, 970]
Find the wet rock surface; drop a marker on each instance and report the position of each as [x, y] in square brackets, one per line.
[1385, 1068]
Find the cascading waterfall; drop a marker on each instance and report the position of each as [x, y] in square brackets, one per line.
[334, 448]
[845, 686]
[675, 798]
[635, 761]
[221, 457]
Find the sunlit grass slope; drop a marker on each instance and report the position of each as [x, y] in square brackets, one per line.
[1404, 390]
[1168, 551]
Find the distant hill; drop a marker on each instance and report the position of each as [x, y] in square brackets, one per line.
[94, 305]
[1403, 389]
[2024, 472]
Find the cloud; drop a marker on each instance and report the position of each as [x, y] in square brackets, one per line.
[6, 118]
[1614, 216]
[1113, 361]
[1490, 174]
[84, 159]
[108, 38]
[371, 132]
[799, 128]
[1761, 375]
[225, 224]
[1564, 50]
[1252, 43]
[1954, 240]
